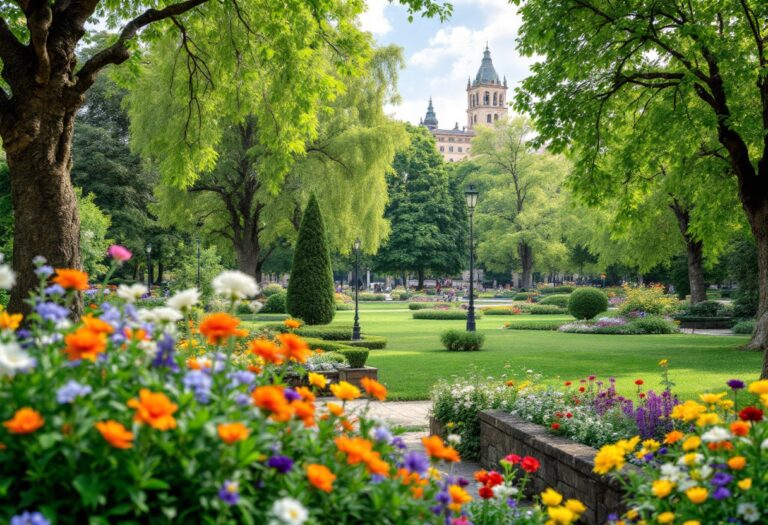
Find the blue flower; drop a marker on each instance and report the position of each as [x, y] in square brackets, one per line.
[282, 464]
[382, 434]
[721, 493]
[165, 356]
[720, 479]
[200, 383]
[736, 384]
[44, 271]
[29, 518]
[51, 312]
[416, 462]
[242, 399]
[55, 289]
[242, 378]
[229, 492]
[71, 391]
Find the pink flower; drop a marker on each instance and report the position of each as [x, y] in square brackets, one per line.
[119, 253]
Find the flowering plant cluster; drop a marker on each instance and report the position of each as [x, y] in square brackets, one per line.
[648, 299]
[632, 323]
[710, 468]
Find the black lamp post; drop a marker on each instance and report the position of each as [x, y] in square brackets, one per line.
[149, 269]
[471, 197]
[356, 326]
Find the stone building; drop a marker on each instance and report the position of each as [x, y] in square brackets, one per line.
[486, 103]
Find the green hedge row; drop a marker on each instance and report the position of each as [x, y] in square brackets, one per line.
[560, 300]
[557, 290]
[545, 309]
[443, 315]
[535, 325]
[426, 306]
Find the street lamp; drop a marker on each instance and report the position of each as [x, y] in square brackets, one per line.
[471, 197]
[356, 326]
[149, 269]
[199, 225]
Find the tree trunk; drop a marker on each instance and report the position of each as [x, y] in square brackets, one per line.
[248, 258]
[420, 286]
[757, 215]
[525, 253]
[695, 252]
[160, 268]
[46, 218]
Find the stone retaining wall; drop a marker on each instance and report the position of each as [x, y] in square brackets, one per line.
[566, 465]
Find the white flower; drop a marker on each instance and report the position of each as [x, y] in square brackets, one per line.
[235, 285]
[764, 444]
[184, 300]
[163, 314]
[14, 359]
[716, 435]
[145, 315]
[131, 293]
[7, 277]
[748, 511]
[453, 439]
[290, 511]
[504, 491]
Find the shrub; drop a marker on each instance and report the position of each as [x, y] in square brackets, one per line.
[524, 296]
[534, 325]
[744, 327]
[150, 302]
[585, 303]
[371, 342]
[560, 300]
[548, 310]
[329, 333]
[341, 307]
[556, 290]
[501, 310]
[275, 304]
[372, 297]
[462, 341]
[310, 290]
[443, 315]
[648, 299]
[327, 346]
[704, 309]
[505, 294]
[271, 289]
[356, 357]
[342, 298]
[651, 324]
[426, 306]
[404, 296]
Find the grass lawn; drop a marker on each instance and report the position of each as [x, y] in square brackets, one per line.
[414, 358]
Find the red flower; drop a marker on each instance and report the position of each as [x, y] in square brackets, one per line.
[513, 459]
[591, 378]
[751, 414]
[555, 426]
[485, 492]
[639, 382]
[568, 383]
[569, 415]
[530, 464]
[582, 389]
[642, 395]
[494, 478]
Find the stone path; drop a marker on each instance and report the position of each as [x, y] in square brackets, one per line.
[702, 331]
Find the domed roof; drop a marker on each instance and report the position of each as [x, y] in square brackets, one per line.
[486, 74]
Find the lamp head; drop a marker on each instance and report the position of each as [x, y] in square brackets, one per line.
[471, 197]
[357, 244]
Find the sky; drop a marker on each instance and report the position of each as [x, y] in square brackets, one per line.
[441, 56]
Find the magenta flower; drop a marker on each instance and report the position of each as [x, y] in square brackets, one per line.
[119, 253]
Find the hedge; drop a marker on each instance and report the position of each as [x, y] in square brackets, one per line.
[524, 296]
[271, 289]
[372, 297]
[535, 325]
[328, 333]
[371, 342]
[356, 357]
[498, 310]
[444, 315]
[341, 307]
[327, 346]
[560, 300]
[557, 290]
[548, 310]
[462, 341]
[275, 304]
[426, 306]
[586, 303]
[744, 327]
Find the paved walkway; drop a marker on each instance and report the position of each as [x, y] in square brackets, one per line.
[702, 331]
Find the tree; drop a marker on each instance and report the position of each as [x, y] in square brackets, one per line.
[673, 53]
[310, 290]
[94, 224]
[519, 215]
[43, 89]
[427, 213]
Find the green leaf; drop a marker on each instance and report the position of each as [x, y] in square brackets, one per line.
[89, 487]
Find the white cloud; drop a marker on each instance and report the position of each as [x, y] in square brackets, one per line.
[374, 19]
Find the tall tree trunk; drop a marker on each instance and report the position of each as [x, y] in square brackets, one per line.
[248, 258]
[46, 219]
[757, 215]
[695, 252]
[525, 253]
[420, 286]
[160, 269]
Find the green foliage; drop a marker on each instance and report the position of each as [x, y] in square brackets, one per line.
[310, 290]
[185, 273]
[427, 305]
[6, 211]
[648, 299]
[524, 296]
[652, 324]
[560, 300]
[327, 346]
[552, 290]
[744, 327]
[742, 268]
[462, 341]
[94, 225]
[355, 357]
[548, 309]
[275, 304]
[271, 289]
[585, 303]
[500, 310]
[329, 333]
[443, 315]
[704, 309]
[371, 342]
[4, 298]
[404, 296]
[372, 297]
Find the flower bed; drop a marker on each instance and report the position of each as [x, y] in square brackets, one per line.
[638, 324]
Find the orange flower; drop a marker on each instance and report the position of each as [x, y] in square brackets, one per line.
[304, 411]
[232, 432]
[198, 363]
[84, 343]
[294, 347]
[459, 497]
[154, 409]
[335, 409]
[135, 334]
[673, 437]
[267, 350]
[320, 477]
[435, 448]
[219, 326]
[115, 434]
[374, 389]
[360, 450]
[305, 393]
[345, 391]
[740, 428]
[272, 399]
[737, 462]
[10, 321]
[97, 325]
[25, 421]
[292, 323]
[70, 279]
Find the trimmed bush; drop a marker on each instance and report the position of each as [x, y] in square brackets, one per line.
[329, 333]
[271, 289]
[557, 290]
[744, 327]
[372, 297]
[356, 357]
[341, 307]
[501, 310]
[652, 324]
[443, 315]
[310, 290]
[534, 325]
[267, 317]
[648, 299]
[275, 304]
[585, 303]
[548, 310]
[462, 341]
[426, 306]
[560, 300]
[704, 309]
[524, 296]
[371, 342]
[404, 296]
[327, 346]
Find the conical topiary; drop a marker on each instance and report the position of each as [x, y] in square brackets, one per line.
[310, 289]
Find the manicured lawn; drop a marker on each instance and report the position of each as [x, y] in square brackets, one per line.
[414, 358]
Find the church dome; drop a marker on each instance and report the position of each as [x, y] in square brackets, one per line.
[486, 74]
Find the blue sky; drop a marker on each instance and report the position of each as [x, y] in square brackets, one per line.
[440, 57]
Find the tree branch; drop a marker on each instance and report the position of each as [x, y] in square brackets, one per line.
[118, 52]
[39, 18]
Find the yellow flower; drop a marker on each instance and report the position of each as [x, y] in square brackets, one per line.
[651, 444]
[632, 514]
[691, 458]
[692, 522]
[688, 411]
[610, 457]
[318, 380]
[664, 362]
[712, 399]
[575, 506]
[666, 517]
[745, 484]
[692, 443]
[561, 515]
[628, 445]
[345, 391]
[759, 387]
[697, 495]
[764, 400]
[708, 419]
[10, 321]
[551, 497]
[662, 488]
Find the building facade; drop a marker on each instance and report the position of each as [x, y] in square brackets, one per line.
[486, 103]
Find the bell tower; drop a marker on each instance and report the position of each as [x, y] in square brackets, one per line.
[486, 95]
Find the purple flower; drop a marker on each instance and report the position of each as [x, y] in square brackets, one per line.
[29, 518]
[229, 492]
[55, 289]
[398, 442]
[242, 399]
[165, 356]
[44, 271]
[291, 395]
[51, 312]
[416, 462]
[71, 391]
[282, 464]
[462, 482]
[736, 384]
[242, 378]
[721, 493]
[200, 383]
[382, 434]
[720, 479]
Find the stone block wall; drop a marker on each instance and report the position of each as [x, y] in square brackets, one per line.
[566, 465]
